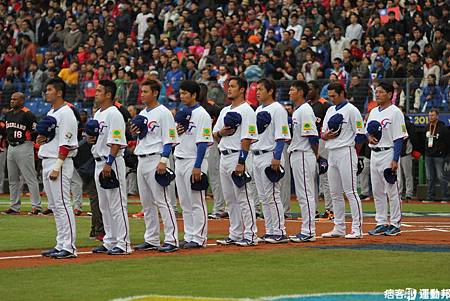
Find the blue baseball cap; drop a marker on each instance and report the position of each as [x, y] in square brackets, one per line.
[47, 127]
[232, 119]
[263, 120]
[109, 183]
[335, 123]
[141, 123]
[241, 180]
[274, 176]
[92, 128]
[183, 117]
[375, 129]
[390, 176]
[200, 185]
[323, 165]
[165, 178]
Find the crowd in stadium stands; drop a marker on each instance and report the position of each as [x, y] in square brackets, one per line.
[353, 42]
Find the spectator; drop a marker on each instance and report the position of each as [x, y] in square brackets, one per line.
[41, 28]
[431, 95]
[436, 149]
[173, 79]
[429, 68]
[310, 67]
[358, 93]
[36, 79]
[70, 75]
[28, 53]
[354, 30]
[73, 38]
[338, 43]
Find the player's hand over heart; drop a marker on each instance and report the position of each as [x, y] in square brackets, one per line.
[180, 130]
[134, 130]
[54, 175]
[372, 140]
[161, 168]
[239, 170]
[329, 135]
[394, 165]
[196, 174]
[106, 171]
[275, 164]
[91, 139]
[226, 131]
[41, 139]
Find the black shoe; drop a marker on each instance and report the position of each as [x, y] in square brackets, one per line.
[100, 249]
[10, 212]
[192, 245]
[49, 252]
[214, 216]
[182, 244]
[47, 212]
[317, 214]
[117, 251]
[167, 248]
[145, 247]
[63, 255]
[35, 211]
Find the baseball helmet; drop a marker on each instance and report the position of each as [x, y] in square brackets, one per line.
[390, 176]
[323, 165]
[232, 120]
[165, 178]
[374, 128]
[200, 185]
[335, 123]
[263, 120]
[92, 128]
[274, 176]
[109, 183]
[241, 180]
[141, 123]
[360, 166]
[47, 127]
[183, 117]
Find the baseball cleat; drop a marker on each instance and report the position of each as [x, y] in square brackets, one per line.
[353, 235]
[35, 211]
[10, 212]
[47, 212]
[277, 239]
[379, 230]
[302, 238]
[392, 231]
[214, 216]
[328, 214]
[263, 238]
[167, 248]
[246, 243]
[226, 241]
[332, 234]
[192, 245]
[117, 251]
[145, 247]
[48, 253]
[63, 255]
[100, 249]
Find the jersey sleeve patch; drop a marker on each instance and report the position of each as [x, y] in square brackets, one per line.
[206, 132]
[359, 124]
[285, 130]
[172, 133]
[252, 129]
[117, 135]
[403, 128]
[307, 126]
[68, 136]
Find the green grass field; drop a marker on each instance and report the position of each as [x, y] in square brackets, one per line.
[248, 273]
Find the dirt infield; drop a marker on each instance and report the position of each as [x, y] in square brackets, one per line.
[415, 231]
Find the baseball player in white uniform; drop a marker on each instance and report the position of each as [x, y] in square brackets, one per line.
[303, 150]
[108, 151]
[153, 151]
[386, 151]
[57, 169]
[273, 132]
[234, 145]
[190, 163]
[340, 141]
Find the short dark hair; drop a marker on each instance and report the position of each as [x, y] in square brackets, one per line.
[338, 87]
[314, 84]
[191, 87]
[387, 86]
[58, 84]
[435, 110]
[269, 84]
[301, 85]
[110, 87]
[153, 84]
[242, 82]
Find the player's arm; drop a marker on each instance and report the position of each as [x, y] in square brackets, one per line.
[281, 136]
[399, 133]
[169, 139]
[358, 126]
[309, 129]
[203, 140]
[116, 141]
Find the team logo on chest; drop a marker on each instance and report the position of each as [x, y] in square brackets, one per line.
[191, 128]
[153, 125]
[101, 126]
[385, 123]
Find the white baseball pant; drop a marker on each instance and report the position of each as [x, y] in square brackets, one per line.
[113, 205]
[323, 186]
[342, 168]
[76, 188]
[383, 192]
[154, 197]
[241, 209]
[269, 195]
[304, 171]
[58, 195]
[405, 170]
[286, 182]
[251, 186]
[193, 204]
